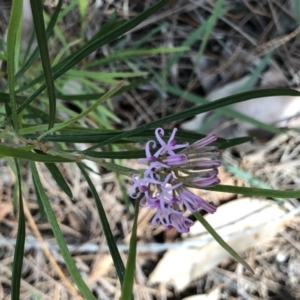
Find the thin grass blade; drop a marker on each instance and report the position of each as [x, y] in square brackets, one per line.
[71, 61]
[217, 12]
[204, 108]
[222, 243]
[106, 228]
[39, 25]
[20, 243]
[75, 274]
[27, 154]
[225, 110]
[94, 44]
[86, 97]
[60, 180]
[12, 50]
[35, 54]
[127, 287]
[255, 191]
[62, 125]
[40, 204]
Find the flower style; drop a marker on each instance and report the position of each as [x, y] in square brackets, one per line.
[169, 169]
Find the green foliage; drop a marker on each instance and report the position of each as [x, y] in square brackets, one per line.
[21, 235]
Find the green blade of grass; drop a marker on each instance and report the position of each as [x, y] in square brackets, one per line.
[217, 12]
[255, 191]
[108, 26]
[12, 51]
[107, 77]
[39, 26]
[190, 40]
[90, 47]
[297, 11]
[235, 142]
[20, 243]
[35, 54]
[5, 98]
[127, 287]
[40, 204]
[26, 154]
[221, 242]
[204, 29]
[247, 177]
[204, 108]
[136, 52]
[225, 110]
[106, 228]
[86, 97]
[60, 180]
[94, 44]
[59, 237]
[83, 135]
[84, 113]
[83, 6]
[146, 37]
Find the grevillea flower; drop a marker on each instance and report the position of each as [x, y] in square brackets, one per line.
[169, 169]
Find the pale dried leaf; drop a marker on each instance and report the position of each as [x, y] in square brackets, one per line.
[242, 223]
[275, 110]
[5, 209]
[101, 267]
[213, 295]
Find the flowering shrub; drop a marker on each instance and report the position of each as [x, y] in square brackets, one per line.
[168, 173]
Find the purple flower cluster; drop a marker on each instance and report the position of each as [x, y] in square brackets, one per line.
[169, 169]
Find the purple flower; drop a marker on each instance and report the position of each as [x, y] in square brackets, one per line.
[207, 179]
[171, 145]
[175, 159]
[192, 202]
[168, 170]
[153, 161]
[180, 222]
[205, 141]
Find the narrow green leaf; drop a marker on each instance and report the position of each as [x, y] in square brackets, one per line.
[222, 243]
[40, 204]
[90, 47]
[107, 27]
[12, 50]
[217, 12]
[106, 228]
[248, 177]
[5, 98]
[94, 44]
[75, 274]
[83, 6]
[20, 242]
[224, 111]
[204, 108]
[255, 191]
[190, 40]
[297, 11]
[106, 77]
[75, 136]
[147, 36]
[105, 97]
[25, 154]
[86, 97]
[135, 52]
[39, 25]
[235, 142]
[60, 180]
[35, 54]
[127, 286]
